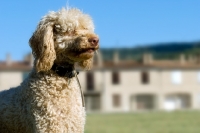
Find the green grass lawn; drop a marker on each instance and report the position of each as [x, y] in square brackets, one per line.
[151, 122]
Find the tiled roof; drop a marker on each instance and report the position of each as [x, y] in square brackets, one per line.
[15, 66]
[175, 64]
[162, 64]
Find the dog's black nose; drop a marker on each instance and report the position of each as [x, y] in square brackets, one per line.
[94, 41]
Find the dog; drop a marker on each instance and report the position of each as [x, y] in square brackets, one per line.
[49, 100]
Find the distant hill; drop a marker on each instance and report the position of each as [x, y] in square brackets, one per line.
[159, 51]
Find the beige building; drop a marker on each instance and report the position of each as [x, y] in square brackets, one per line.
[123, 86]
[13, 73]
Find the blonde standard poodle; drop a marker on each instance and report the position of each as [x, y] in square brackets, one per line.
[49, 100]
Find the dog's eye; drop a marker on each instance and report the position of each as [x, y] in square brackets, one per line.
[61, 45]
[57, 26]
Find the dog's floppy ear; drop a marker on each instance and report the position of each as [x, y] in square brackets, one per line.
[42, 45]
[86, 64]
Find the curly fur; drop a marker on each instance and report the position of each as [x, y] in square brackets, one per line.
[46, 102]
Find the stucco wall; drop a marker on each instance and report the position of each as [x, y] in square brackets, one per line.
[10, 79]
[160, 85]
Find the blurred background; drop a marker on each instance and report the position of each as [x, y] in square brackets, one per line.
[146, 76]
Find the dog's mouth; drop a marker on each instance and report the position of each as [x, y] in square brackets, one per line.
[88, 50]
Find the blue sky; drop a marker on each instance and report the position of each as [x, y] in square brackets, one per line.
[125, 23]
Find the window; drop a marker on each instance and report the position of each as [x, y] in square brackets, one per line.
[116, 100]
[176, 77]
[90, 81]
[92, 102]
[115, 77]
[145, 77]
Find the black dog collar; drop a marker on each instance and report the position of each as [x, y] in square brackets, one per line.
[64, 71]
[69, 72]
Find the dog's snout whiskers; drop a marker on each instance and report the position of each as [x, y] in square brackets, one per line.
[97, 52]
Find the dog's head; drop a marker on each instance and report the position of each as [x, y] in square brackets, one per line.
[64, 36]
